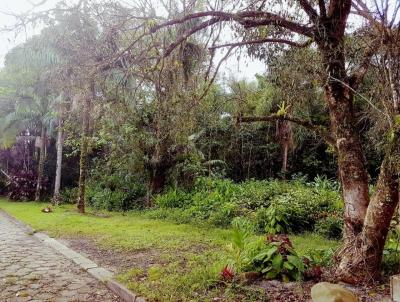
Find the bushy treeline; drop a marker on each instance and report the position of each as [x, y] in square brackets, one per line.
[271, 206]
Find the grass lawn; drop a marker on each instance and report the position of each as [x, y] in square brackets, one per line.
[189, 258]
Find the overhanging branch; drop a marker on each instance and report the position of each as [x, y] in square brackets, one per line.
[319, 129]
[246, 18]
[262, 41]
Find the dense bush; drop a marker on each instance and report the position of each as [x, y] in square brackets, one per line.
[303, 206]
[272, 206]
[103, 197]
[22, 185]
[330, 227]
[69, 195]
[173, 199]
[278, 259]
[273, 257]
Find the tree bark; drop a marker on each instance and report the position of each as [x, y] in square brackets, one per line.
[59, 144]
[42, 158]
[83, 162]
[352, 171]
[339, 97]
[360, 261]
[285, 158]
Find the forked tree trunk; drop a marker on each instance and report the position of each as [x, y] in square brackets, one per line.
[360, 261]
[83, 162]
[59, 145]
[42, 158]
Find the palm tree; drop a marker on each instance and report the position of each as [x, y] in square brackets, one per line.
[33, 112]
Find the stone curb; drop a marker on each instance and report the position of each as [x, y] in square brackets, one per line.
[99, 273]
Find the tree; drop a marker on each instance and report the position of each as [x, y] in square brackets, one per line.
[325, 26]
[33, 104]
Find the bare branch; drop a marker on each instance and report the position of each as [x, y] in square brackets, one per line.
[358, 75]
[322, 8]
[246, 18]
[261, 41]
[310, 11]
[188, 33]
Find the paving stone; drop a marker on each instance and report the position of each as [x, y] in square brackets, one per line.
[36, 272]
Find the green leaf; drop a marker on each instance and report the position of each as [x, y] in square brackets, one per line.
[277, 262]
[296, 261]
[288, 266]
[271, 274]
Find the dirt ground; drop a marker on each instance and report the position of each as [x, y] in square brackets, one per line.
[121, 261]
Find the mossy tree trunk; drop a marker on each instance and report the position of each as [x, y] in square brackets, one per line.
[42, 159]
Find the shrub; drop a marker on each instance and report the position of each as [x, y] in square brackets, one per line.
[322, 182]
[174, 198]
[330, 227]
[273, 206]
[243, 249]
[279, 260]
[114, 200]
[391, 253]
[224, 214]
[320, 257]
[276, 220]
[106, 199]
[303, 206]
[255, 194]
[69, 195]
[22, 185]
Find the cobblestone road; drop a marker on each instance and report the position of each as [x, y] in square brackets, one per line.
[31, 271]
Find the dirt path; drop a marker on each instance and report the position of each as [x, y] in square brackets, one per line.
[31, 271]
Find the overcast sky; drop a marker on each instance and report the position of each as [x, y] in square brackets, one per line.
[245, 68]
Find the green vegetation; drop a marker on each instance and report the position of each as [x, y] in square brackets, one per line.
[119, 107]
[188, 259]
[272, 206]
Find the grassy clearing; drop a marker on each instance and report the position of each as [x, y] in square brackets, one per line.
[189, 257]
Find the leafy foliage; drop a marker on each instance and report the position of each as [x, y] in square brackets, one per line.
[21, 185]
[279, 260]
[273, 206]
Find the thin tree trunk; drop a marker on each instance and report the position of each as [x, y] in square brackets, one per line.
[57, 183]
[285, 158]
[42, 158]
[83, 162]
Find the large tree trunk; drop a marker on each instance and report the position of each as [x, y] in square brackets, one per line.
[42, 158]
[59, 145]
[351, 161]
[360, 261]
[352, 171]
[83, 162]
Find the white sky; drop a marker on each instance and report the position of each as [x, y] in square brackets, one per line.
[246, 68]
